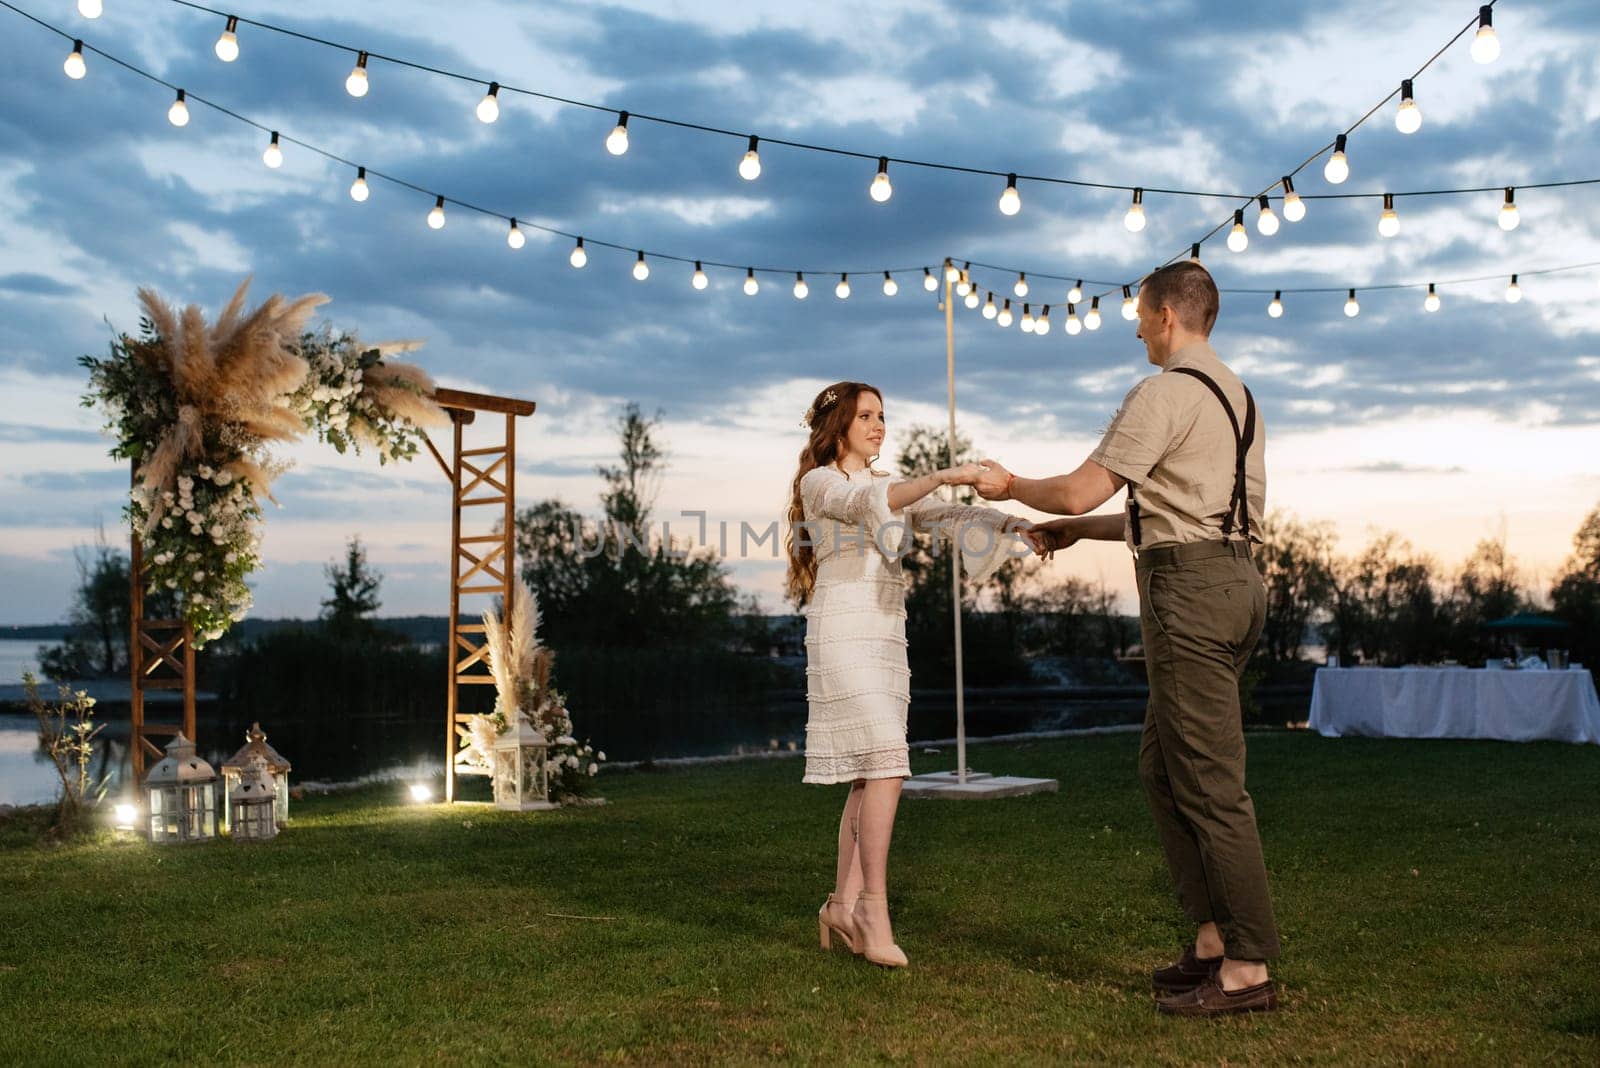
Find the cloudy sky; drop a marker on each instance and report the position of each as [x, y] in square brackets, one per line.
[1477, 420]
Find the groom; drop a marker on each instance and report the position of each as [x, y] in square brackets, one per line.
[1189, 446]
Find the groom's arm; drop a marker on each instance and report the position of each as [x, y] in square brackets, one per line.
[1082, 491]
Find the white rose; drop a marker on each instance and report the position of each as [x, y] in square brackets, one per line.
[199, 576]
[193, 516]
[166, 522]
[172, 584]
[594, 769]
[572, 761]
[232, 556]
[223, 478]
[185, 484]
[601, 754]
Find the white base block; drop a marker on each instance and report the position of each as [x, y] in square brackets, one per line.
[980, 786]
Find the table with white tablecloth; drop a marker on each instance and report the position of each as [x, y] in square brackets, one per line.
[1450, 702]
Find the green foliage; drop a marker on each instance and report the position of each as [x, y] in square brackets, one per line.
[1575, 594]
[354, 596]
[1296, 564]
[66, 736]
[612, 582]
[1444, 917]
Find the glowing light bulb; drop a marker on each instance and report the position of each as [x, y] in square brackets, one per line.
[178, 113]
[489, 106]
[1075, 294]
[1275, 309]
[842, 290]
[74, 66]
[1351, 307]
[929, 282]
[963, 282]
[126, 815]
[1130, 306]
[1041, 325]
[1431, 301]
[751, 286]
[1134, 220]
[1408, 120]
[1294, 209]
[1091, 320]
[1267, 220]
[436, 216]
[421, 792]
[90, 9]
[1073, 325]
[890, 286]
[699, 281]
[750, 166]
[800, 287]
[273, 155]
[227, 46]
[1388, 222]
[1021, 286]
[951, 274]
[1005, 317]
[971, 299]
[1338, 167]
[1509, 216]
[514, 236]
[641, 269]
[356, 84]
[579, 257]
[1238, 237]
[1010, 200]
[1485, 46]
[358, 188]
[1026, 323]
[1513, 291]
[617, 139]
[880, 189]
[989, 309]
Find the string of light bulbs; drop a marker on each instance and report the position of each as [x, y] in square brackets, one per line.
[1485, 49]
[974, 295]
[880, 188]
[965, 287]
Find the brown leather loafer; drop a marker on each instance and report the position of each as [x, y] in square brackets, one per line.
[1186, 973]
[1209, 999]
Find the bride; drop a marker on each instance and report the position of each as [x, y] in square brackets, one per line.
[847, 524]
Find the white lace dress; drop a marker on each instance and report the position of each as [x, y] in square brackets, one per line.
[857, 681]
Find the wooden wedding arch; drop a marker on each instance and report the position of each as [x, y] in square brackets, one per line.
[482, 565]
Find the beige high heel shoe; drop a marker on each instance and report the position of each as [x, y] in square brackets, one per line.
[826, 929]
[886, 955]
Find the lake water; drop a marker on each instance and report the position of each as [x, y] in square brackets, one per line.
[17, 657]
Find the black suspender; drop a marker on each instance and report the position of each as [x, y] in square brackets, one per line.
[1239, 501]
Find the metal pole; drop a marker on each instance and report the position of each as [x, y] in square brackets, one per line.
[955, 547]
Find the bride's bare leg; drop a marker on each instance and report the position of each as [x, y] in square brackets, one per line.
[847, 878]
[880, 800]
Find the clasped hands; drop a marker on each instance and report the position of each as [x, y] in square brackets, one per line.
[993, 483]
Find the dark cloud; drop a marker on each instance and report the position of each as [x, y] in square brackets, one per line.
[509, 319]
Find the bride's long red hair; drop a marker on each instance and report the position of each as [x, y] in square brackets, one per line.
[830, 425]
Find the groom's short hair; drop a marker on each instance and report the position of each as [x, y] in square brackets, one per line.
[1188, 290]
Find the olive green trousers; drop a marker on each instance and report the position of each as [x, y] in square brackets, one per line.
[1201, 608]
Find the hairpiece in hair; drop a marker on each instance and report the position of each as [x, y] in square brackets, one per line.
[811, 413]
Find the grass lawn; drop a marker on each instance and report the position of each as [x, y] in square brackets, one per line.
[1439, 901]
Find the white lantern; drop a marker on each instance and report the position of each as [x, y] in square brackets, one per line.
[521, 773]
[255, 744]
[250, 807]
[181, 791]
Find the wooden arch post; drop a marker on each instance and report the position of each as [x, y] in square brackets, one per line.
[482, 546]
[160, 657]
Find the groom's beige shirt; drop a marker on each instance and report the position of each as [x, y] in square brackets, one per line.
[1172, 441]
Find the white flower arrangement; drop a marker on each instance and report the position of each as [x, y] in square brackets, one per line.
[196, 407]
